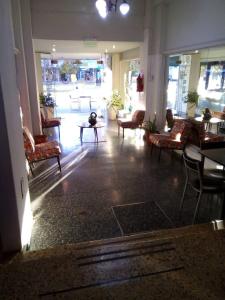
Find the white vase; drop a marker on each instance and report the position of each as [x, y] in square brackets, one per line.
[111, 114]
[48, 112]
[191, 108]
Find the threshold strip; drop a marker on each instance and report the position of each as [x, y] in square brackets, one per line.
[125, 256]
[125, 250]
[111, 282]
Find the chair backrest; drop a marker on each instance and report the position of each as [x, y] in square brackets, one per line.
[181, 130]
[198, 128]
[169, 118]
[138, 117]
[29, 143]
[194, 170]
[43, 119]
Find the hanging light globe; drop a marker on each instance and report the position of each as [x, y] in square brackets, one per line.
[124, 8]
[102, 8]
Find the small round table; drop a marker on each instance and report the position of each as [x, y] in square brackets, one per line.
[210, 122]
[87, 125]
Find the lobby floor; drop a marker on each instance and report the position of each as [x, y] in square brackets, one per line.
[108, 189]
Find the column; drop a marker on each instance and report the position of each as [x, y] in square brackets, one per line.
[116, 71]
[39, 72]
[15, 211]
[20, 65]
[155, 61]
[30, 66]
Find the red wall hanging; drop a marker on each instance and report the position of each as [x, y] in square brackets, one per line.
[140, 83]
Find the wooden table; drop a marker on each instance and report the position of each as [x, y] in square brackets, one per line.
[87, 125]
[217, 155]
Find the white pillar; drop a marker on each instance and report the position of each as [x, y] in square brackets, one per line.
[155, 61]
[20, 64]
[30, 65]
[15, 212]
[39, 72]
[194, 72]
[124, 68]
[116, 71]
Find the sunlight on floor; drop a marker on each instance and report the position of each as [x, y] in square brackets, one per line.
[51, 185]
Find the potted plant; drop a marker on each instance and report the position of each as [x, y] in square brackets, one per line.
[192, 102]
[47, 104]
[114, 105]
[149, 127]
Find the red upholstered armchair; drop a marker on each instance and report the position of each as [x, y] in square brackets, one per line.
[175, 140]
[135, 122]
[39, 151]
[49, 123]
[201, 138]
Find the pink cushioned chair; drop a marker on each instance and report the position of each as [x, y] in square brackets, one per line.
[135, 122]
[49, 123]
[37, 152]
[175, 140]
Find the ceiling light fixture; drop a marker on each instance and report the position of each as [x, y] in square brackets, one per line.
[124, 8]
[106, 6]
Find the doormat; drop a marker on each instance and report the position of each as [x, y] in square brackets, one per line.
[139, 217]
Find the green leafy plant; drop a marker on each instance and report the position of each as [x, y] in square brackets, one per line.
[115, 102]
[150, 126]
[192, 97]
[47, 100]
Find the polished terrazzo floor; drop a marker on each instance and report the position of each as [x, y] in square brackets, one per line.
[109, 189]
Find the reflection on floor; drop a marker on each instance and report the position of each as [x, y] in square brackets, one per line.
[99, 193]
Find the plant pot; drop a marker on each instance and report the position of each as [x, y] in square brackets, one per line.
[48, 112]
[191, 108]
[111, 114]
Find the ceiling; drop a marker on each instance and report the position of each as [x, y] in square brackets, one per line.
[81, 49]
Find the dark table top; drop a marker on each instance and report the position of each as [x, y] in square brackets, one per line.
[217, 155]
[87, 125]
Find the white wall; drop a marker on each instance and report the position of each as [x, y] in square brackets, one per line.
[130, 54]
[15, 202]
[213, 54]
[30, 66]
[79, 20]
[194, 24]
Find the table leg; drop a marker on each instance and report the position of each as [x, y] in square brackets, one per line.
[96, 134]
[81, 134]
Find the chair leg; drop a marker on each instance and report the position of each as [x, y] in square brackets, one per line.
[223, 208]
[58, 160]
[183, 196]
[151, 148]
[197, 207]
[123, 133]
[118, 130]
[160, 149]
[59, 131]
[31, 170]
